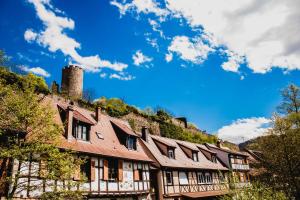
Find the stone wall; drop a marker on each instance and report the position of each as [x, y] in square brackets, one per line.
[137, 122]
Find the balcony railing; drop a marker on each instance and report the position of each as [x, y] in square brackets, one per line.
[240, 166]
[202, 187]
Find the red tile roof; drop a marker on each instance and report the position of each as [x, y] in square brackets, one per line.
[109, 145]
[181, 160]
[124, 128]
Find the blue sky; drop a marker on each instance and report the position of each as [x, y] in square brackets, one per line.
[221, 66]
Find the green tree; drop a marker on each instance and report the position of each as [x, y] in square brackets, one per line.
[291, 100]
[256, 191]
[280, 147]
[28, 132]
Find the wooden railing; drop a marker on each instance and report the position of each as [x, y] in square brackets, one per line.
[202, 187]
[240, 166]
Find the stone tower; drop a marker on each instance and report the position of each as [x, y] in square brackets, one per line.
[72, 81]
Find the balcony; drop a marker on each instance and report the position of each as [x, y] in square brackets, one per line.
[240, 166]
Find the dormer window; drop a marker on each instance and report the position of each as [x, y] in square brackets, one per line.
[214, 159]
[171, 153]
[195, 156]
[131, 143]
[81, 130]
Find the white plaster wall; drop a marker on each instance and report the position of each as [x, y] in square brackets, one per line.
[127, 183]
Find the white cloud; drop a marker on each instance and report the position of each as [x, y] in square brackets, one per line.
[23, 57]
[265, 32]
[122, 76]
[194, 50]
[140, 6]
[169, 57]
[152, 42]
[29, 35]
[103, 75]
[156, 27]
[35, 70]
[139, 58]
[234, 61]
[54, 38]
[244, 129]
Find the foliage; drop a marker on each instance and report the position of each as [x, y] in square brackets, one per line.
[163, 115]
[28, 132]
[291, 100]
[132, 123]
[114, 107]
[24, 81]
[172, 131]
[256, 191]
[62, 195]
[280, 147]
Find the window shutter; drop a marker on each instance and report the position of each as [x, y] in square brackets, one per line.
[92, 170]
[77, 173]
[43, 169]
[136, 175]
[120, 171]
[105, 170]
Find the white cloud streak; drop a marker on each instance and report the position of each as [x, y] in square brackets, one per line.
[244, 129]
[193, 50]
[35, 70]
[121, 76]
[54, 38]
[139, 58]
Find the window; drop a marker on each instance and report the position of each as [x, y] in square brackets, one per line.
[214, 159]
[140, 174]
[208, 178]
[85, 169]
[131, 143]
[113, 169]
[221, 177]
[81, 131]
[100, 136]
[169, 178]
[201, 178]
[183, 178]
[195, 156]
[171, 153]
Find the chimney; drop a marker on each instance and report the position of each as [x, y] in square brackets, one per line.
[69, 127]
[219, 143]
[145, 133]
[98, 113]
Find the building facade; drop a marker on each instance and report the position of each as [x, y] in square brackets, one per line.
[236, 162]
[184, 170]
[116, 165]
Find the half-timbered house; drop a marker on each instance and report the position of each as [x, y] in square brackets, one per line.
[184, 169]
[236, 161]
[116, 166]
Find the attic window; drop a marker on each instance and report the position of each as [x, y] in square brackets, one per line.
[100, 136]
[131, 143]
[171, 153]
[195, 156]
[214, 159]
[81, 130]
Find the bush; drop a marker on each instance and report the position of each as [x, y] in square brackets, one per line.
[24, 81]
